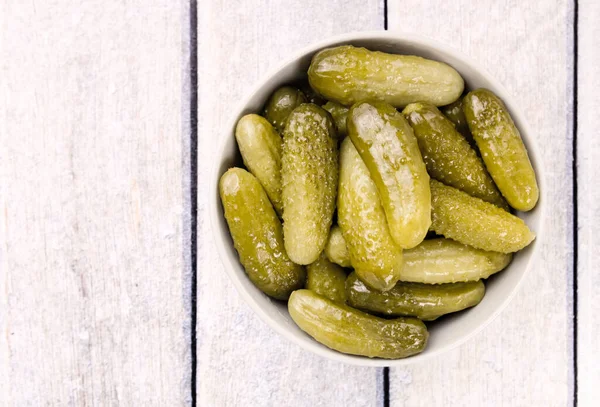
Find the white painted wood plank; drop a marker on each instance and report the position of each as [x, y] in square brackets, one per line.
[588, 159]
[93, 303]
[525, 356]
[241, 361]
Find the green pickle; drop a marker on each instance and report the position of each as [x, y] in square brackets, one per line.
[387, 145]
[327, 279]
[257, 235]
[260, 146]
[351, 331]
[448, 156]
[454, 112]
[474, 222]
[309, 174]
[434, 261]
[373, 253]
[347, 75]
[281, 103]
[501, 148]
[439, 261]
[339, 114]
[336, 249]
[424, 301]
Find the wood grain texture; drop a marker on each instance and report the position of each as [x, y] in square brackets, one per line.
[588, 159]
[241, 361]
[92, 268]
[525, 356]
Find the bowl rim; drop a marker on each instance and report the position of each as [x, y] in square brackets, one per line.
[214, 212]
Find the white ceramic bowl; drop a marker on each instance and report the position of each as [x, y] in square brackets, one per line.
[451, 330]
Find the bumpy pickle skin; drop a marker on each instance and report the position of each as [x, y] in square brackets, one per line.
[347, 75]
[448, 156]
[354, 332]
[336, 249]
[424, 301]
[327, 279]
[373, 253]
[474, 222]
[339, 114]
[281, 103]
[387, 145]
[260, 146]
[257, 235]
[309, 174]
[501, 148]
[440, 261]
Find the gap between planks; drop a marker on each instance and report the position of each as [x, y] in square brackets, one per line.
[193, 117]
[575, 203]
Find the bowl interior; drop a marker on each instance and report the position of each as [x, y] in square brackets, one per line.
[449, 331]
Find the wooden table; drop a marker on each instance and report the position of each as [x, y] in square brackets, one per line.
[111, 292]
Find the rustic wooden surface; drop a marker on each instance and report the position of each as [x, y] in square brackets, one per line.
[525, 357]
[93, 308]
[241, 361]
[588, 159]
[95, 206]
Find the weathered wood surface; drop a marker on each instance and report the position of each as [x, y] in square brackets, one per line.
[241, 361]
[525, 357]
[94, 201]
[93, 306]
[588, 164]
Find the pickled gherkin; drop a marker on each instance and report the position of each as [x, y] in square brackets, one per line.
[373, 253]
[448, 156]
[351, 331]
[501, 148]
[260, 146]
[336, 249]
[454, 112]
[280, 105]
[347, 75]
[440, 260]
[474, 222]
[387, 145]
[327, 279]
[309, 174]
[339, 114]
[424, 301]
[257, 235]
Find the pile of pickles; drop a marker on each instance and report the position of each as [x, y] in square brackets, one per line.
[377, 197]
